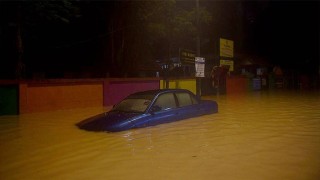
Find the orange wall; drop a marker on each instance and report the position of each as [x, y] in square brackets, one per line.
[237, 84]
[36, 98]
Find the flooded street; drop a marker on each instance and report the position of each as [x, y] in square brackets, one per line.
[261, 135]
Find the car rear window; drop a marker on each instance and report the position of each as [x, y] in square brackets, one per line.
[132, 105]
[184, 99]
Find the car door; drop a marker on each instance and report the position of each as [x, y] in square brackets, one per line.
[164, 109]
[187, 105]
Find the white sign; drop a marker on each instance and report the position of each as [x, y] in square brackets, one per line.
[199, 63]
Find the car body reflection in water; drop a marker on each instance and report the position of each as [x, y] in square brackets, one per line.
[260, 135]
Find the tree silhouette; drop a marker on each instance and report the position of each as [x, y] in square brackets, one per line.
[147, 30]
[32, 18]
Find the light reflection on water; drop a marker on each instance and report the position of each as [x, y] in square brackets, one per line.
[263, 135]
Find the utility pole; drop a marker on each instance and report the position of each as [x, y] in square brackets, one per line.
[198, 28]
[198, 80]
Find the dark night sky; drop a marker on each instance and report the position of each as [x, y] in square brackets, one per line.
[284, 32]
[289, 34]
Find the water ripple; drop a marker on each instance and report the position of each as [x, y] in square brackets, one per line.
[263, 135]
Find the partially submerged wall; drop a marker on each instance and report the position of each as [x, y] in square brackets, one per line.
[60, 94]
[56, 94]
[237, 84]
[114, 90]
[50, 95]
[189, 84]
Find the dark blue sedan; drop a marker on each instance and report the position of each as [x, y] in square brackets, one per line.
[150, 108]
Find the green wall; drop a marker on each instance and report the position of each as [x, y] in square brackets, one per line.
[9, 100]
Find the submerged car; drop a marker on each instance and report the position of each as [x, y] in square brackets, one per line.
[150, 108]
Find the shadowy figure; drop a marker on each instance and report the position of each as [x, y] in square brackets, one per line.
[218, 75]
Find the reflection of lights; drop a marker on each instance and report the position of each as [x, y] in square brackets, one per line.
[127, 135]
[177, 65]
[165, 66]
[139, 141]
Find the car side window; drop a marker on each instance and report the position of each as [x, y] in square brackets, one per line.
[165, 101]
[194, 100]
[184, 99]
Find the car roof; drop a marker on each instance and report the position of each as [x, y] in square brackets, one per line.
[160, 91]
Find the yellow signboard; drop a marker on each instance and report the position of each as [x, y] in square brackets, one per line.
[227, 63]
[226, 48]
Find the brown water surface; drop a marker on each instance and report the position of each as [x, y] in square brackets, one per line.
[262, 135]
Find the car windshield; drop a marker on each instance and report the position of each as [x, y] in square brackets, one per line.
[132, 105]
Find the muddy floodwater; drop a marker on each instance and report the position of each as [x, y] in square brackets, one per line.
[261, 135]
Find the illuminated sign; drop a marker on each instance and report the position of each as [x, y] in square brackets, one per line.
[187, 56]
[226, 48]
[227, 63]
